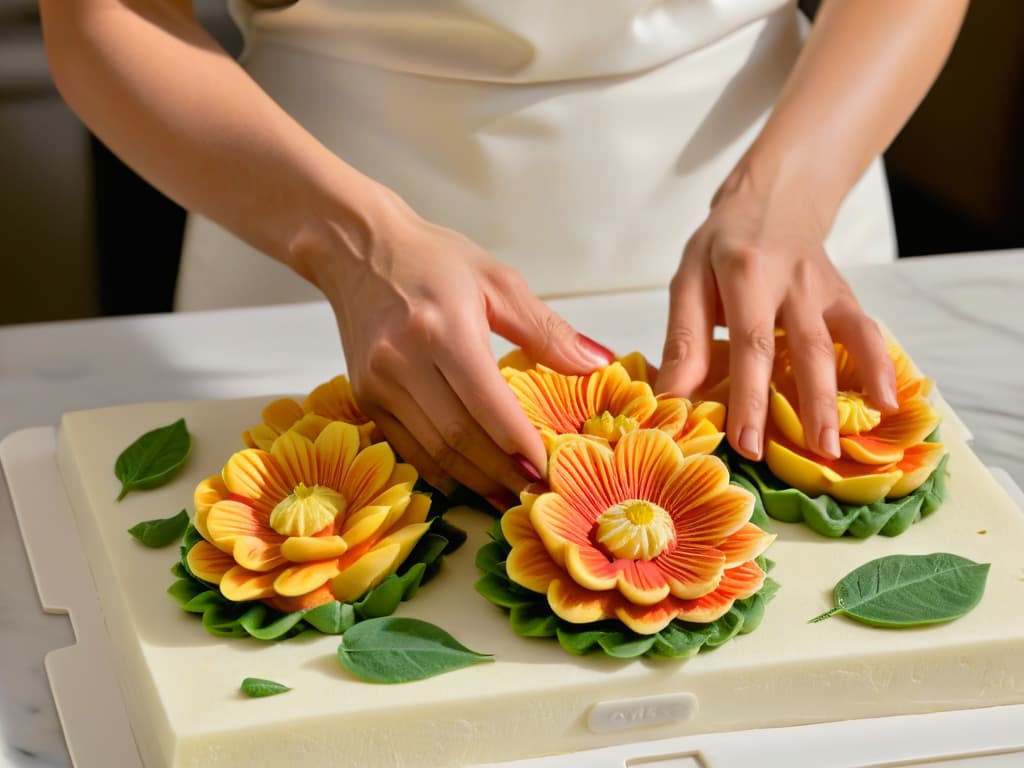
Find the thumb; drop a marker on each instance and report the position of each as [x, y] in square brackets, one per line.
[545, 336]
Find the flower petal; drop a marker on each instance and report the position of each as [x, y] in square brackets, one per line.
[364, 524]
[716, 518]
[335, 400]
[305, 577]
[255, 474]
[241, 584]
[516, 526]
[642, 582]
[786, 419]
[558, 523]
[737, 583]
[336, 449]
[645, 462]
[367, 474]
[670, 415]
[589, 567]
[365, 573]
[869, 450]
[699, 480]
[581, 472]
[577, 605]
[304, 549]
[207, 493]
[919, 461]
[529, 565]
[817, 477]
[297, 458]
[228, 520]
[691, 570]
[912, 423]
[304, 602]
[416, 510]
[646, 619]
[258, 554]
[745, 544]
[406, 538]
[209, 563]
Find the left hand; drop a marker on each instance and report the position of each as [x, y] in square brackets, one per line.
[757, 263]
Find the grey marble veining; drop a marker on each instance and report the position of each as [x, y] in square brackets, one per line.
[960, 317]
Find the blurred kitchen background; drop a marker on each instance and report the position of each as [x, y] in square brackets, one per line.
[82, 236]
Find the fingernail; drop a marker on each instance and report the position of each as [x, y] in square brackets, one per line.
[829, 442]
[590, 348]
[750, 442]
[530, 472]
[502, 500]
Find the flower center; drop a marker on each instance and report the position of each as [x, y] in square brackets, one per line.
[635, 530]
[856, 416]
[611, 428]
[307, 510]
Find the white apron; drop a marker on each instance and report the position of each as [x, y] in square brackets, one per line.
[577, 140]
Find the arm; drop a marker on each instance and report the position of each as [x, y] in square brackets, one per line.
[758, 261]
[415, 303]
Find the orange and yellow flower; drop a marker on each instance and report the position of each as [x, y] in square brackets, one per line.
[331, 401]
[637, 532]
[883, 455]
[610, 403]
[313, 519]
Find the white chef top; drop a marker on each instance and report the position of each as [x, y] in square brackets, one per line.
[578, 140]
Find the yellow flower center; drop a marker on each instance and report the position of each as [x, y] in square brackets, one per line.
[307, 510]
[856, 416]
[635, 530]
[611, 428]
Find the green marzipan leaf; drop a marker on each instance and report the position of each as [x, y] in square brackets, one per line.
[910, 590]
[154, 458]
[399, 649]
[161, 532]
[531, 616]
[258, 688]
[828, 517]
[224, 618]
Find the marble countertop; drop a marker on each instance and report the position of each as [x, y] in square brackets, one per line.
[960, 317]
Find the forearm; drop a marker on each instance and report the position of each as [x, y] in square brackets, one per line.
[153, 86]
[862, 73]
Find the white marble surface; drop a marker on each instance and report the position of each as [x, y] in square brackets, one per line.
[961, 318]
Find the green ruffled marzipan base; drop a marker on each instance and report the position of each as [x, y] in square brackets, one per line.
[531, 616]
[828, 517]
[227, 618]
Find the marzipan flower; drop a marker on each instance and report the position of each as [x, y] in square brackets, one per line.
[313, 520]
[882, 455]
[331, 401]
[610, 403]
[636, 532]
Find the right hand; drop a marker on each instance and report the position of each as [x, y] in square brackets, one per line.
[415, 311]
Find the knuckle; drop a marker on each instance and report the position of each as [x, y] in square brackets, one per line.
[679, 345]
[457, 436]
[816, 344]
[740, 259]
[760, 341]
[446, 457]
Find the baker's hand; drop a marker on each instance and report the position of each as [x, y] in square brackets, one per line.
[757, 263]
[415, 312]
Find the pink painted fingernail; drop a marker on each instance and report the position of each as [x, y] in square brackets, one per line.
[530, 472]
[600, 354]
[750, 442]
[829, 442]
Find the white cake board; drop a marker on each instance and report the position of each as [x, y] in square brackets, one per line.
[97, 731]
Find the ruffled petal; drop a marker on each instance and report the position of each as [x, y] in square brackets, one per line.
[254, 474]
[241, 584]
[558, 524]
[699, 480]
[918, 462]
[737, 583]
[915, 420]
[745, 544]
[646, 619]
[258, 554]
[304, 549]
[365, 573]
[691, 570]
[529, 565]
[335, 400]
[209, 563]
[577, 605]
[642, 582]
[516, 526]
[716, 518]
[297, 458]
[207, 493]
[645, 462]
[814, 477]
[367, 474]
[305, 577]
[590, 568]
[336, 447]
[670, 415]
[228, 520]
[581, 471]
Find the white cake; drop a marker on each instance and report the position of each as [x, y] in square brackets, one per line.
[181, 685]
